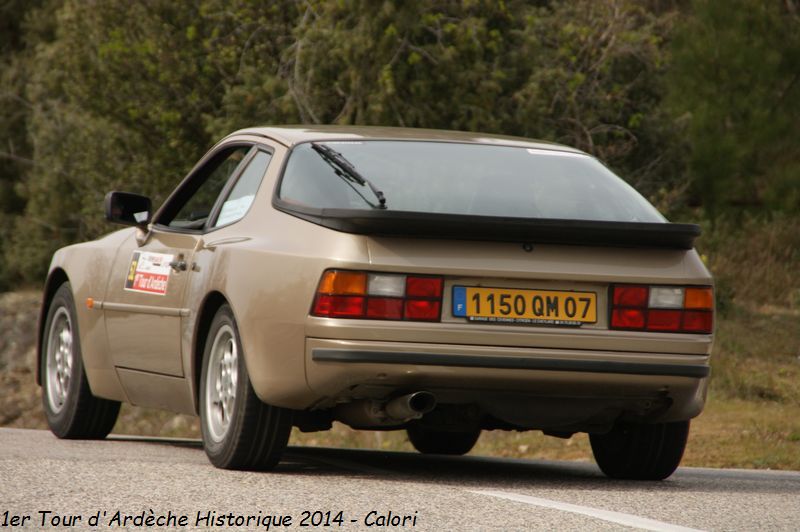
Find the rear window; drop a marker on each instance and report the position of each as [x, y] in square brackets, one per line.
[454, 178]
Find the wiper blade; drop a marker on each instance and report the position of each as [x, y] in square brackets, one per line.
[346, 170]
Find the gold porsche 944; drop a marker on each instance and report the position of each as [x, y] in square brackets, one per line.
[439, 282]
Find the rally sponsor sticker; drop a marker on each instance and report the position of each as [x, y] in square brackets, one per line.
[148, 273]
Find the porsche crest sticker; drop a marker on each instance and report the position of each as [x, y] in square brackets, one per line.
[148, 273]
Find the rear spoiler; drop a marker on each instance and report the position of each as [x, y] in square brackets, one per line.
[498, 228]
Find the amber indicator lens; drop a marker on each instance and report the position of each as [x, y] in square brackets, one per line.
[699, 298]
[337, 282]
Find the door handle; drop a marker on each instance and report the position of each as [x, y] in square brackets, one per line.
[178, 265]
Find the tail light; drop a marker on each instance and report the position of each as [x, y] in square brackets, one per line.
[688, 309]
[378, 296]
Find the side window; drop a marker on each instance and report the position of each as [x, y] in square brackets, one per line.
[203, 191]
[241, 197]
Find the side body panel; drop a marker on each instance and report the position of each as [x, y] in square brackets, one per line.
[87, 267]
[144, 327]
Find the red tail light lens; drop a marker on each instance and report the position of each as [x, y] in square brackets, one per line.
[423, 310]
[339, 306]
[664, 320]
[627, 318]
[322, 305]
[697, 321]
[380, 296]
[630, 296]
[385, 308]
[424, 287]
[662, 308]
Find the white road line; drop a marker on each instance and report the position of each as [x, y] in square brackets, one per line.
[606, 515]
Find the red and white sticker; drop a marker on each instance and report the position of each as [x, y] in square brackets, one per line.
[148, 273]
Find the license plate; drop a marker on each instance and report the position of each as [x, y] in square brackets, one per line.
[510, 305]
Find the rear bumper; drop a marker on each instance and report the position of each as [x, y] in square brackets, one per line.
[501, 378]
[508, 362]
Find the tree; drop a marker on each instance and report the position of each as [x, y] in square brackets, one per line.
[22, 24]
[118, 101]
[735, 86]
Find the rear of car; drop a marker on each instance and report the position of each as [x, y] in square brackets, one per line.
[507, 287]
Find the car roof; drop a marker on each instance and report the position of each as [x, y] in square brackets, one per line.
[296, 134]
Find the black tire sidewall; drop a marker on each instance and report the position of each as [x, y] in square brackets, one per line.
[61, 422]
[432, 441]
[641, 451]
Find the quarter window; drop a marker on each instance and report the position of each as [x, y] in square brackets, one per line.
[241, 196]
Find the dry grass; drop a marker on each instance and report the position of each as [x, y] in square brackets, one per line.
[757, 356]
[754, 262]
[746, 434]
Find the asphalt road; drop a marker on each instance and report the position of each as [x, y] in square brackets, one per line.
[160, 482]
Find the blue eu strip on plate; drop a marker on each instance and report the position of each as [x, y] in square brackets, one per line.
[460, 301]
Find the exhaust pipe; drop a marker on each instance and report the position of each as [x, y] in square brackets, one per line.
[411, 406]
[368, 413]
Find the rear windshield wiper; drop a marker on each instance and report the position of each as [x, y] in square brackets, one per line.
[344, 169]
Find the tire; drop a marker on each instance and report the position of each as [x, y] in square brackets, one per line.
[639, 451]
[431, 441]
[71, 410]
[239, 430]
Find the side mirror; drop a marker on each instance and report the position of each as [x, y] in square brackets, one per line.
[128, 209]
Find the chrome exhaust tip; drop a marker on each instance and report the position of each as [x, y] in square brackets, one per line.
[410, 406]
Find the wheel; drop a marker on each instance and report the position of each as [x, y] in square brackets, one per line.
[641, 451]
[431, 441]
[69, 406]
[239, 430]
